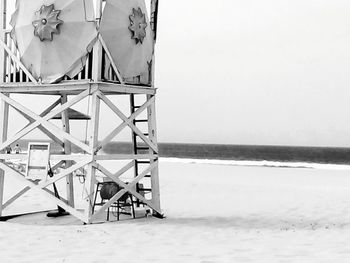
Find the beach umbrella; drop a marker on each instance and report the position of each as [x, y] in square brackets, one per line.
[126, 30]
[53, 37]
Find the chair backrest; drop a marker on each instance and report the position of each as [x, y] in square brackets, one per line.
[109, 189]
[38, 160]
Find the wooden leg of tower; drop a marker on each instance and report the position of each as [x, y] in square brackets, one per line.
[91, 170]
[4, 107]
[67, 150]
[4, 114]
[152, 131]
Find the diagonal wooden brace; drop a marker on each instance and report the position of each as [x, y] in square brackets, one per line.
[19, 63]
[127, 122]
[44, 121]
[48, 195]
[126, 188]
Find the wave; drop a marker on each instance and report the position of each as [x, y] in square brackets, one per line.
[304, 165]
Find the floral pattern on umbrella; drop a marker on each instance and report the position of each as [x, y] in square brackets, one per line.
[138, 25]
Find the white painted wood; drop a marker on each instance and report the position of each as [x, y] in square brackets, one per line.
[38, 161]
[17, 61]
[125, 157]
[48, 195]
[67, 151]
[130, 187]
[91, 170]
[74, 88]
[114, 66]
[152, 133]
[63, 173]
[3, 106]
[16, 196]
[4, 117]
[97, 50]
[127, 121]
[45, 131]
[44, 121]
[125, 89]
[3, 21]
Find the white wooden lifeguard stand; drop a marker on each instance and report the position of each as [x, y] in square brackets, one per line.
[90, 83]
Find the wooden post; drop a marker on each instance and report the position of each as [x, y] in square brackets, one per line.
[4, 107]
[97, 51]
[154, 21]
[151, 111]
[91, 169]
[152, 131]
[67, 150]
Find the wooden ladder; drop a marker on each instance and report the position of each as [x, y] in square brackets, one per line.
[140, 148]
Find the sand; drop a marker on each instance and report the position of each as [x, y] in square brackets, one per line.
[215, 213]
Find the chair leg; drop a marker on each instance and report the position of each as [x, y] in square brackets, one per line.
[108, 214]
[93, 206]
[118, 207]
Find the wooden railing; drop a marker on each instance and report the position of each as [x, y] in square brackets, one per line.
[13, 73]
[12, 70]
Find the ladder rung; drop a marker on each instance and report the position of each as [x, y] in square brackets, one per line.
[141, 120]
[136, 107]
[147, 176]
[142, 161]
[145, 189]
[146, 134]
[142, 148]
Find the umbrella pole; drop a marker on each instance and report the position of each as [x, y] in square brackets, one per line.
[97, 51]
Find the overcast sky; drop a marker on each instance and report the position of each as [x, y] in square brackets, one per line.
[254, 72]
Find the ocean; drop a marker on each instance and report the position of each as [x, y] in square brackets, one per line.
[320, 155]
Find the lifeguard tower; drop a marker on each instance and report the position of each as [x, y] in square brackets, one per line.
[75, 50]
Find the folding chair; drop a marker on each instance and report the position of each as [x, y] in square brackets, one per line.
[107, 189]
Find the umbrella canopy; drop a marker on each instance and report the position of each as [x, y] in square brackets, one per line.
[126, 30]
[53, 37]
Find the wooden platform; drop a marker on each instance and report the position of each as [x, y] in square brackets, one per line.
[74, 88]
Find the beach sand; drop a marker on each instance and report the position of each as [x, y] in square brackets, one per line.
[215, 213]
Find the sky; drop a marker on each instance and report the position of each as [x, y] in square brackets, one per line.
[270, 72]
[254, 72]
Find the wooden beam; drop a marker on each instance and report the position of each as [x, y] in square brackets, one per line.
[4, 121]
[48, 195]
[97, 50]
[53, 157]
[44, 121]
[62, 174]
[4, 108]
[91, 170]
[17, 60]
[125, 157]
[3, 6]
[125, 89]
[114, 66]
[127, 121]
[74, 88]
[45, 131]
[126, 188]
[68, 151]
[154, 19]
[152, 133]
[16, 196]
